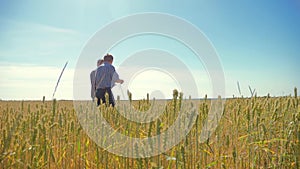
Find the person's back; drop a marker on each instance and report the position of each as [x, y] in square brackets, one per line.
[106, 74]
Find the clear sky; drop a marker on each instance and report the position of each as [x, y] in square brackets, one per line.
[257, 42]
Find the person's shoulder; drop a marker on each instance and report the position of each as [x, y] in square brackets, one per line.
[100, 67]
[112, 67]
[109, 66]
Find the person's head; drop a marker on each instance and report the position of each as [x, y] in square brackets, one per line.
[108, 58]
[100, 62]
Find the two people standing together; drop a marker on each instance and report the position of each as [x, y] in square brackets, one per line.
[103, 79]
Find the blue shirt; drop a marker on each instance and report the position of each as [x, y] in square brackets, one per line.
[106, 76]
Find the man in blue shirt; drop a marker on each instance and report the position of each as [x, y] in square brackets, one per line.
[106, 77]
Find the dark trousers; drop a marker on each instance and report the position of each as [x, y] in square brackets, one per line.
[100, 94]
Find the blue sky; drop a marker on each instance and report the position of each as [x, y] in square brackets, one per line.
[257, 42]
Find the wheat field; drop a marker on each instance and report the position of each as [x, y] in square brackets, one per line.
[257, 132]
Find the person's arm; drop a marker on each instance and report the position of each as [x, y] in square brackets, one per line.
[92, 77]
[116, 79]
[97, 77]
[120, 81]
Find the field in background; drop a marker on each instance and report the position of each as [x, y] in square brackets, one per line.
[260, 132]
